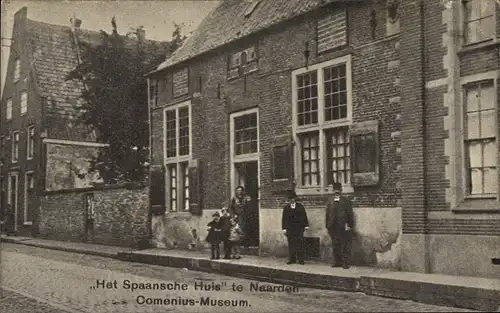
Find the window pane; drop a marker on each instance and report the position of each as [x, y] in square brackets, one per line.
[490, 180]
[487, 96]
[476, 184]
[310, 159]
[473, 125]
[335, 92]
[245, 128]
[490, 153]
[475, 154]
[472, 31]
[488, 128]
[307, 102]
[171, 125]
[337, 170]
[472, 99]
[184, 131]
[487, 28]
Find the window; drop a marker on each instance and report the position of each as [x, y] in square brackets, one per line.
[29, 188]
[332, 31]
[322, 116]
[15, 146]
[181, 83]
[480, 140]
[242, 63]
[17, 70]
[479, 20]
[245, 134]
[392, 15]
[24, 102]
[8, 114]
[177, 127]
[30, 142]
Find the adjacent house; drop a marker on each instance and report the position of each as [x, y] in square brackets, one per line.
[44, 145]
[397, 100]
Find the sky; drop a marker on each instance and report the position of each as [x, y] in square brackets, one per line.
[156, 16]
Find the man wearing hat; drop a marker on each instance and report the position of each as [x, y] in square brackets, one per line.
[339, 223]
[293, 223]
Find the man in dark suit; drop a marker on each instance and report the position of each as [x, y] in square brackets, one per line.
[293, 223]
[340, 223]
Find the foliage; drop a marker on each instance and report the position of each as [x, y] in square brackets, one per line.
[115, 99]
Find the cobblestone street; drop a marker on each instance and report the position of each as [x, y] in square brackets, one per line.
[41, 280]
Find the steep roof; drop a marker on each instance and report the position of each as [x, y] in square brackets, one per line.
[53, 55]
[228, 22]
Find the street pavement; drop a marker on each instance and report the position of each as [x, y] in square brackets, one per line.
[42, 280]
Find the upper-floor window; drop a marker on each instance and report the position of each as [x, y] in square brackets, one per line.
[181, 82]
[480, 140]
[322, 114]
[242, 62]
[392, 16]
[479, 20]
[30, 142]
[15, 146]
[177, 130]
[24, 102]
[17, 70]
[8, 113]
[332, 30]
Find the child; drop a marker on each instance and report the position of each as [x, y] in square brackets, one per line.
[225, 224]
[235, 238]
[214, 234]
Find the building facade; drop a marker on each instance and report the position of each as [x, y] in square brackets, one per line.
[303, 94]
[374, 95]
[44, 145]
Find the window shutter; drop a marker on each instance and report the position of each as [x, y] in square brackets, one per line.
[157, 191]
[365, 153]
[282, 163]
[195, 198]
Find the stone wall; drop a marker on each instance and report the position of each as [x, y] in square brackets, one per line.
[120, 216]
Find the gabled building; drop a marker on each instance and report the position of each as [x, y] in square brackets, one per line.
[281, 94]
[44, 146]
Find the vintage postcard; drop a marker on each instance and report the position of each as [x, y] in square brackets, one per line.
[250, 156]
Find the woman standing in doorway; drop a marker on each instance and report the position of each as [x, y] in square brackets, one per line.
[239, 209]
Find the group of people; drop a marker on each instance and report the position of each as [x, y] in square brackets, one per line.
[339, 221]
[228, 227]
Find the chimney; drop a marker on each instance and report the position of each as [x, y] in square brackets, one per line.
[141, 34]
[75, 24]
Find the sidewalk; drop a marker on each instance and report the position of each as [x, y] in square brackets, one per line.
[466, 292]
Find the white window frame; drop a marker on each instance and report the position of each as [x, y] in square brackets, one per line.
[17, 70]
[177, 159]
[321, 126]
[249, 157]
[30, 143]
[25, 215]
[9, 195]
[24, 102]
[15, 149]
[463, 26]
[465, 82]
[8, 111]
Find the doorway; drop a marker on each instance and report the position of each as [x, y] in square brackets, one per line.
[13, 186]
[247, 175]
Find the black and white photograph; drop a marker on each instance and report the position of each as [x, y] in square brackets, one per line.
[250, 156]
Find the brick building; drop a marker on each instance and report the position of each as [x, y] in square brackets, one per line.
[279, 94]
[262, 81]
[43, 146]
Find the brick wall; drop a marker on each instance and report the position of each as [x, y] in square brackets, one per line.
[121, 216]
[281, 49]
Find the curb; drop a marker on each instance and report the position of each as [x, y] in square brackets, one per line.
[247, 271]
[65, 249]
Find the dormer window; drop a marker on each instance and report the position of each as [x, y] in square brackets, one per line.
[17, 70]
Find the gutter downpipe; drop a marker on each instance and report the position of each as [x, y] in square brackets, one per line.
[150, 149]
[427, 262]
